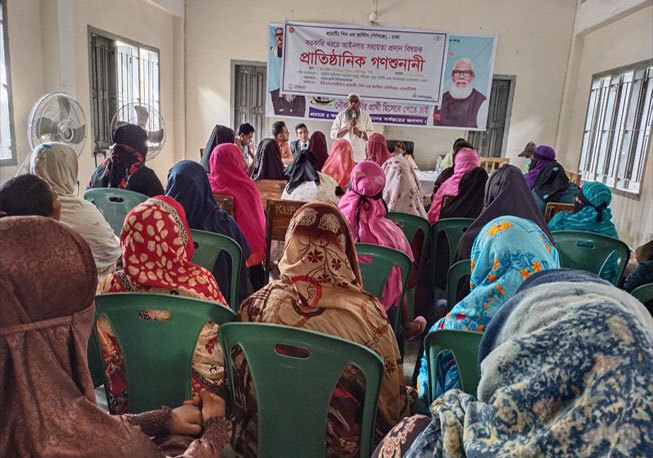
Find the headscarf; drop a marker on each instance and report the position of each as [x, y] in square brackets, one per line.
[465, 160]
[57, 164]
[189, 185]
[317, 144]
[506, 193]
[219, 135]
[377, 148]
[228, 178]
[320, 289]
[268, 164]
[156, 249]
[402, 192]
[565, 371]
[48, 402]
[542, 157]
[551, 182]
[506, 252]
[365, 210]
[340, 162]
[469, 201]
[301, 170]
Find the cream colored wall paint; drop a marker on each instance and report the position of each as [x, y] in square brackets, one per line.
[34, 48]
[622, 42]
[526, 47]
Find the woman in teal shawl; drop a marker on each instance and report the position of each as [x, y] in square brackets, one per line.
[505, 253]
[592, 215]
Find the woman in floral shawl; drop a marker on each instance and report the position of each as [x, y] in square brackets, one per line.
[402, 191]
[505, 253]
[320, 289]
[565, 371]
[156, 251]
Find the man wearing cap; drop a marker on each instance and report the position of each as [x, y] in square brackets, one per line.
[529, 149]
[354, 125]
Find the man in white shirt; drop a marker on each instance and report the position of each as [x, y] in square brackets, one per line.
[354, 125]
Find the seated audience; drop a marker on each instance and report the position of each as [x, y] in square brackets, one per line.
[340, 162]
[219, 135]
[448, 158]
[301, 144]
[541, 158]
[591, 214]
[527, 153]
[447, 172]
[243, 140]
[399, 149]
[318, 146]
[402, 191]
[267, 163]
[228, 178]
[466, 159]
[643, 273]
[29, 195]
[156, 251]
[189, 185]
[410, 158]
[468, 203]
[320, 253]
[365, 210]
[280, 135]
[565, 371]
[553, 185]
[57, 164]
[506, 252]
[306, 184]
[48, 403]
[377, 148]
[125, 167]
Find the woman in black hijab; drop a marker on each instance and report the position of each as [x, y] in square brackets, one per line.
[125, 167]
[267, 163]
[220, 134]
[469, 201]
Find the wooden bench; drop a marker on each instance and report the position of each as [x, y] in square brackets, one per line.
[492, 164]
[226, 203]
[278, 214]
[270, 189]
[573, 177]
[554, 207]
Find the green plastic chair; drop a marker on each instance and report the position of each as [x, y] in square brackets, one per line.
[643, 293]
[293, 393]
[453, 228]
[464, 347]
[456, 273]
[589, 251]
[208, 245]
[94, 358]
[376, 273]
[114, 204]
[158, 354]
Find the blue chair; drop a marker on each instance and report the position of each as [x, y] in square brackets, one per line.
[114, 204]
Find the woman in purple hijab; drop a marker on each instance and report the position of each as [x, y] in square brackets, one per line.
[542, 157]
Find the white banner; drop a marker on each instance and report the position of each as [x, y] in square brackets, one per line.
[386, 64]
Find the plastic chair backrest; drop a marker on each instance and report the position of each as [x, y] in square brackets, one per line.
[208, 245]
[93, 355]
[293, 393]
[158, 354]
[464, 347]
[554, 207]
[410, 224]
[453, 229]
[589, 251]
[457, 272]
[278, 214]
[376, 273]
[643, 293]
[114, 204]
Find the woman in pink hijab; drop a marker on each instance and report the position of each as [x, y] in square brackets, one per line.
[228, 178]
[364, 208]
[377, 148]
[340, 162]
[466, 160]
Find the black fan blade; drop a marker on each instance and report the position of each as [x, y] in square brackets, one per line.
[45, 126]
[155, 136]
[64, 107]
[142, 115]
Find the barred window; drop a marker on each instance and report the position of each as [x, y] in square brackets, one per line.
[618, 128]
[7, 146]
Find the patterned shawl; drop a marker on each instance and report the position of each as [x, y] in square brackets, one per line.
[365, 210]
[320, 289]
[466, 160]
[505, 253]
[377, 148]
[123, 162]
[340, 162]
[402, 191]
[565, 371]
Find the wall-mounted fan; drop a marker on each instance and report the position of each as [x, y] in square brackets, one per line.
[148, 118]
[56, 117]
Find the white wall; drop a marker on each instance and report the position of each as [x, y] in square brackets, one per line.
[604, 43]
[38, 54]
[526, 47]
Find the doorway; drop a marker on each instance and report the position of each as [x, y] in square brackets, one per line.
[248, 89]
[492, 142]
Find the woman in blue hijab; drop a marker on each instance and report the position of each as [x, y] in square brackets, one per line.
[189, 185]
[592, 214]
